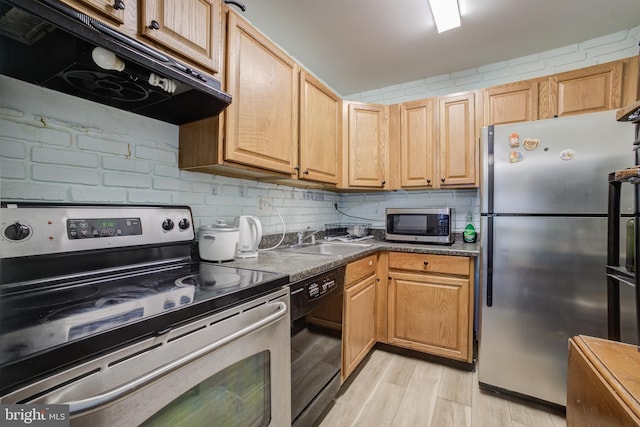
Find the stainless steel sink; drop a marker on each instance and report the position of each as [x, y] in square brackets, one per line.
[327, 248]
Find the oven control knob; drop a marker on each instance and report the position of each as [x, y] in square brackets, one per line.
[184, 224]
[167, 224]
[17, 231]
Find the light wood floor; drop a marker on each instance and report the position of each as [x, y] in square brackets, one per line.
[394, 390]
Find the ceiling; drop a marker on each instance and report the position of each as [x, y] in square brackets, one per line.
[360, 45]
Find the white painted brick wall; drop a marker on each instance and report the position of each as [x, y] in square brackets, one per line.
[56, 148]
[611, 47]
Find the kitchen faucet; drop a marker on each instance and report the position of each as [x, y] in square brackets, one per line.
[301, 236]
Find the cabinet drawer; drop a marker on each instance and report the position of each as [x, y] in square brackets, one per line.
[429, 263]
[361, 268]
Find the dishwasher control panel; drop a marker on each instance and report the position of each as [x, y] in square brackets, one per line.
[321, 287]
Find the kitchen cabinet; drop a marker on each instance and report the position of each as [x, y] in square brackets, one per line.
[320, 131]
[430, 304]
[587, 90]
[511, 103]
[189, 28]
[261, 127]
[358, 332]
[603, 383]
[457, 141]
[418, 144]
[115, 12]
[366, 159]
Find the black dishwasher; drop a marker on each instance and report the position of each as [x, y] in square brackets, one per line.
[316, 344]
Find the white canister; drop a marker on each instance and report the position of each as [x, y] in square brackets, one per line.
[218, 242]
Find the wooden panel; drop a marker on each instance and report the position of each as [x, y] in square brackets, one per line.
[382, 285]
[104, 8]
[262, 121]
[368, 131]
[426, 263]
[358, 269]
[320, 131]
[429, 314]
[190, 28]
[359, 324]
[603, 386]
[511, 103]
[587, 90]
[457, 140]
[417, 138]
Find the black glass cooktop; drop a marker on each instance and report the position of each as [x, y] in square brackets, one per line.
[129, 303]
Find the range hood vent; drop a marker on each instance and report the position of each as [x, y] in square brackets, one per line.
[49, 44]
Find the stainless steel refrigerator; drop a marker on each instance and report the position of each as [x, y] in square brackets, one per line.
[544, 241]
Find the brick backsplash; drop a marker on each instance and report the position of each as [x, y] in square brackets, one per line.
[60, 149]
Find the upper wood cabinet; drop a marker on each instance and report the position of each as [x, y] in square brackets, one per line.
[510, 103]
[117, 13]
[261, 127]
[587, 90]
[367, 146]
[418, 153]
[190, 28]
[457, 141]
[320, 131]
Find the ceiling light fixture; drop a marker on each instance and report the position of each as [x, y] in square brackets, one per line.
[445, 13]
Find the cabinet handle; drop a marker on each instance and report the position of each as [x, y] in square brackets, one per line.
[118, 5]
[236, 3]
[154, 25]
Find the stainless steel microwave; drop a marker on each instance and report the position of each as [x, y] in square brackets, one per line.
[420, 225]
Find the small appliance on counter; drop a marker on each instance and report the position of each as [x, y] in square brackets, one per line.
[218, 242]
[419, 225]
[250, 235]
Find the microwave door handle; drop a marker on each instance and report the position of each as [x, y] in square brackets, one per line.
[101, 400]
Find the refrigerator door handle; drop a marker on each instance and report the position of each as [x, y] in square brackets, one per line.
[489, 253]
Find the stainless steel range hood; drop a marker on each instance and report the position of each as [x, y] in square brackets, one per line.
[49, 44]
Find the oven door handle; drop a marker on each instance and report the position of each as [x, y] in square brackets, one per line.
[94, 403]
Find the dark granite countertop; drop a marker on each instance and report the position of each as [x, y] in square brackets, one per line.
[300, 266]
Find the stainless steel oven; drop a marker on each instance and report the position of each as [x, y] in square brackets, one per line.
[105, 309]
[316, 344]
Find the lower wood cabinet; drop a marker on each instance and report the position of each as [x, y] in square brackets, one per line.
[358, 332]
[430, 304]
[603, 386]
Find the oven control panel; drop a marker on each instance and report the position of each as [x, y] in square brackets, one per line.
[46, 229]
[104, 227]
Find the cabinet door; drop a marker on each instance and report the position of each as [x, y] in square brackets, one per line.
[429, 314]
[113, 10]
[368, 136]
[261, 127]
[358, 325]
[191, 28]
[457, 141]
[587, 90]
[417, 144]
[511, 103]
[320, 131]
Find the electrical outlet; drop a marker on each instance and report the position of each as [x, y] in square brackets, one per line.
[264, 204]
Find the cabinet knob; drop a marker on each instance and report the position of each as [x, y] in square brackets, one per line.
[296, 168]
[384, 182]
[370, 263]
[442, 179]
[154, 25]
[426, 263]
[306, 172]
[428, 180]
[118, 5]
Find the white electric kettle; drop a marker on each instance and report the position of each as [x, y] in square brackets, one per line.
[250, 236]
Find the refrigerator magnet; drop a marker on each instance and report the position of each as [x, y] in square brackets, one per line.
[530, 144]
[567, 154]
[514, 140]
[515, 156]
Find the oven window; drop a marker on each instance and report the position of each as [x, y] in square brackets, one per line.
[240, 395]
